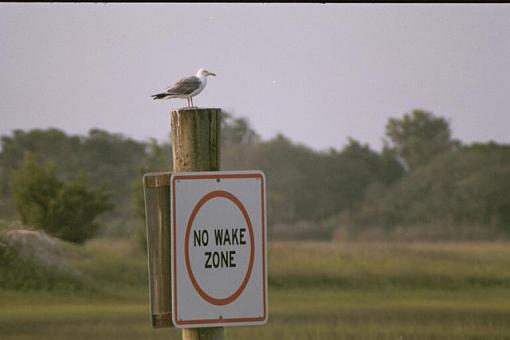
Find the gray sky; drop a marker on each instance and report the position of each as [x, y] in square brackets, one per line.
[316, 73]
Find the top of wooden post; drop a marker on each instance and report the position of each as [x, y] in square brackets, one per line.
[196, 109]
[196, 139]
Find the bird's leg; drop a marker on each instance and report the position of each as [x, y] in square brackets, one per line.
[188, 102]
[192, 102]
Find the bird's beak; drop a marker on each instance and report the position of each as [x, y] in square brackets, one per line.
[211, 74]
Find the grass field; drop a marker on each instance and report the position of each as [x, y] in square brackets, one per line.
[317, 291]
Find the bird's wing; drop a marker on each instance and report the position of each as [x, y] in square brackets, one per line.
[185, 86]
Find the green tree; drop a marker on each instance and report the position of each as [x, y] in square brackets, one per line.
[65, 210]
[305, 185]
[104, 157]
[465, 187]
[418, 137]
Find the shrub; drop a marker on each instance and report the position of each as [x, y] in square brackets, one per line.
[64, 210]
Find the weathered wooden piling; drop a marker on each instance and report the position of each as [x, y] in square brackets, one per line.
[196, 147]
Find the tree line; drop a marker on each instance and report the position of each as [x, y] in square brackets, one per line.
[422, 182]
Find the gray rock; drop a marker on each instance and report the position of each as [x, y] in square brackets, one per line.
[42, 249]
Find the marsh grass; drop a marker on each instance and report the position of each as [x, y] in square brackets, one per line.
[317, 291]
[373, 265]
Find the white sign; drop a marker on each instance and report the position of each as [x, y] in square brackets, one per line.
[219, 254]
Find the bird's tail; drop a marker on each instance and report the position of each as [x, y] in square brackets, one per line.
[159, 96]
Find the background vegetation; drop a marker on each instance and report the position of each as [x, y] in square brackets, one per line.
[65, 210]
[422, 185]
[317, 290]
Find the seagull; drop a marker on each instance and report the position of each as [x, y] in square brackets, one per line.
[186, 87]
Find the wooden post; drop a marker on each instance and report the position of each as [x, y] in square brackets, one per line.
[157, 200]
[196, 147]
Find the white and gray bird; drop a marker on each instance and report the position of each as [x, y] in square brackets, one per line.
[186, 87]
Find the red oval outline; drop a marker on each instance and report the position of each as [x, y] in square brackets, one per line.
[229, 299]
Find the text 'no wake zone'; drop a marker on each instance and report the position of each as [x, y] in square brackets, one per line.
[222, 237]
